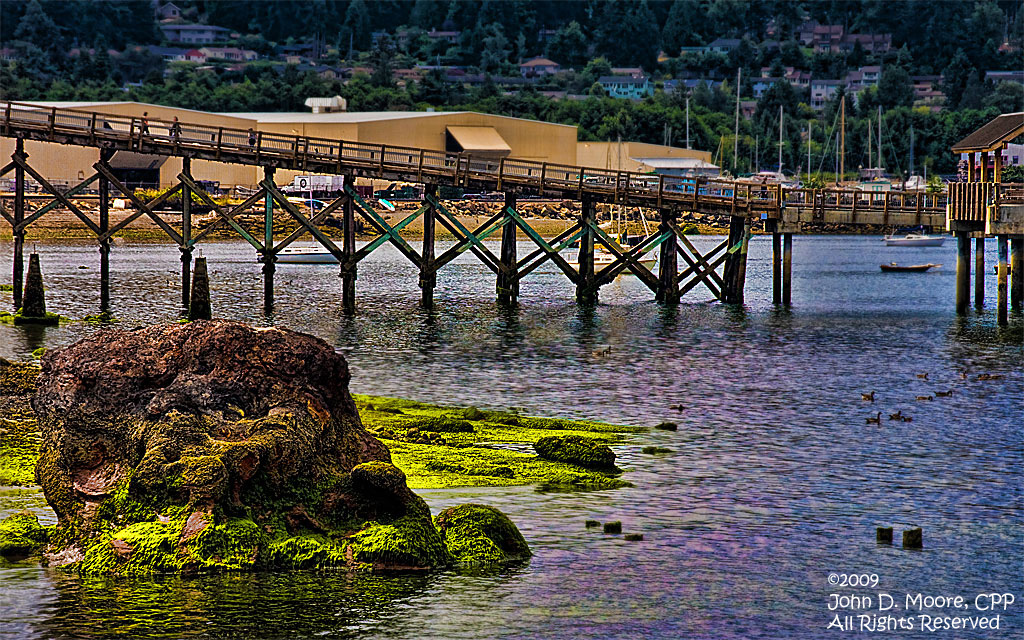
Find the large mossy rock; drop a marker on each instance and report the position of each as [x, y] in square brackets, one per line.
[217, 446]
[21, 536]
[578, 450]
[477, 534]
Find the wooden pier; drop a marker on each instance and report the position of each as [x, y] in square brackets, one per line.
[722, 270]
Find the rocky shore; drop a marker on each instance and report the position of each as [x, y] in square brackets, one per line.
[214, 446]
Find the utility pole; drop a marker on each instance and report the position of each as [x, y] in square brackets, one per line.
[810, 124]
[736, 132]
[780, 139]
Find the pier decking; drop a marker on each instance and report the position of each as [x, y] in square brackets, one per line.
[782, 210]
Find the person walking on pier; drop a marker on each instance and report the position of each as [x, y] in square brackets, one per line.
[252, 138]
[145, 123]
[175, 129]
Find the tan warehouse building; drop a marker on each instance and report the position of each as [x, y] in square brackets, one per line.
[453, 131]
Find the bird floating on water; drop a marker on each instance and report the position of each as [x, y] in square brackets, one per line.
[943, 394]
[924, 397]
[876, 420]
[870, 397]
[896, 416]
[907, 419]
[990, 376]
[676, 407]
[923, 376]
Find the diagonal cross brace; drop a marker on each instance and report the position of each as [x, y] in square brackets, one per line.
[53, 204]
[271, 190]
[625, 259]
[244, 206]
[152, 204]
[540, 256]
[109, 175]
[701, 276]
[205, 197]
[695, 265]
[385, 236]
[471, 240]
[552, 253]
[383, 227]
[59, 196]
[314, 219]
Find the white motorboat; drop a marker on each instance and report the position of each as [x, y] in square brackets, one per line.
[914, 240]
[306, 255]
[603, 258]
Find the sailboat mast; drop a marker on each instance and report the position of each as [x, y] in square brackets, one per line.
[780, 139]
[911, 172]
[810, 123]
[687, 123]
[757, 154]
[879, 136]
[736, 131]
[871, 154]
[842, 140]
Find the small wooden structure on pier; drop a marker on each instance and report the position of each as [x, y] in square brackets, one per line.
[984, 207]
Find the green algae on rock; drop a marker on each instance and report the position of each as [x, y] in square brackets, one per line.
[579, 450]
[214, 446]
[477, 534]
[21, 536]
[19, 435]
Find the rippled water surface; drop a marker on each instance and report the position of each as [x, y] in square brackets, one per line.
[774, 480]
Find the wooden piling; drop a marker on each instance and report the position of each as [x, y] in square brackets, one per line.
[34, 302]
[508, 283]
[200, 308]
[787, 269]
[883, 535]
[741, 267]
[104, 194]
[186, 235]
[18, 270]
[428, 275]
[269, 258]
[912, 539]
[1001, 280]
[776, 268]
[979, 272]
[729, 272]
[348, 275]
[1016, 273]
[585, 291]
[668, 274]
[963, 271]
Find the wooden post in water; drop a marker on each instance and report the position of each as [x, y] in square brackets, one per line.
[741, 268]
[104, 195]
[199, 307]
[269, 258]
[776, 268]
[787, 269]
[186, 235]
[428, 276]
[963, 271]
[731, 274]
[668, 274]
[18, 273]
[585, 293]
[979, 272]
[1016, 272]
[348, 275]
[508, 284]
[1001, 280]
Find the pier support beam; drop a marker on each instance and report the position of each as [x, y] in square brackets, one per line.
[963, 271]
[186, 235]
[776, 268]
[1001, 280]
[736, 263]
[787, 269]
[18, 271]
[668, 274]
[508, 284]
[586, 292]
[348, 275]
[1016, 273]
[428, 274]
[104, 195]
[979, 272]
[269, 258]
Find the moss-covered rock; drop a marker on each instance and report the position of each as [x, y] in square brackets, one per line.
[213, 446]
[579, 450]
[478, 534]
[444, 424]
[21, 536]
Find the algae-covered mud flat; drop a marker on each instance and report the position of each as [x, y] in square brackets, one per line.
[773, 480]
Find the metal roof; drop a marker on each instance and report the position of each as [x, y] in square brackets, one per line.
[993, 134]
[480, 140]
[676, 163]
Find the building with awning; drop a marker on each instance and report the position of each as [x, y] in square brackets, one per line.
[479, 141]
[992, 138]
[679, 167]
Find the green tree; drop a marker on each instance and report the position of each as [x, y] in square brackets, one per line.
[681, 26]
[1008, 97]
[381, 59]
[495, 49]
[954, 77]
[38, 28]
[569, 46]
[894, 87]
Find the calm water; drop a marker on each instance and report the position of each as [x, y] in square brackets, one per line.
[774, 481]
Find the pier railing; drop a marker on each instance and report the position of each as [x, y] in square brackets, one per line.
[979, 201]
[303, 153]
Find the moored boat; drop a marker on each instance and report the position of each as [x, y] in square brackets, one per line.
[306, 255]
[914, 240]
[913, 268]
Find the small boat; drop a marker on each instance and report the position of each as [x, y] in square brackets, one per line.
[913, 268]
[306, 255]
[914, 240]
[602, 259]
